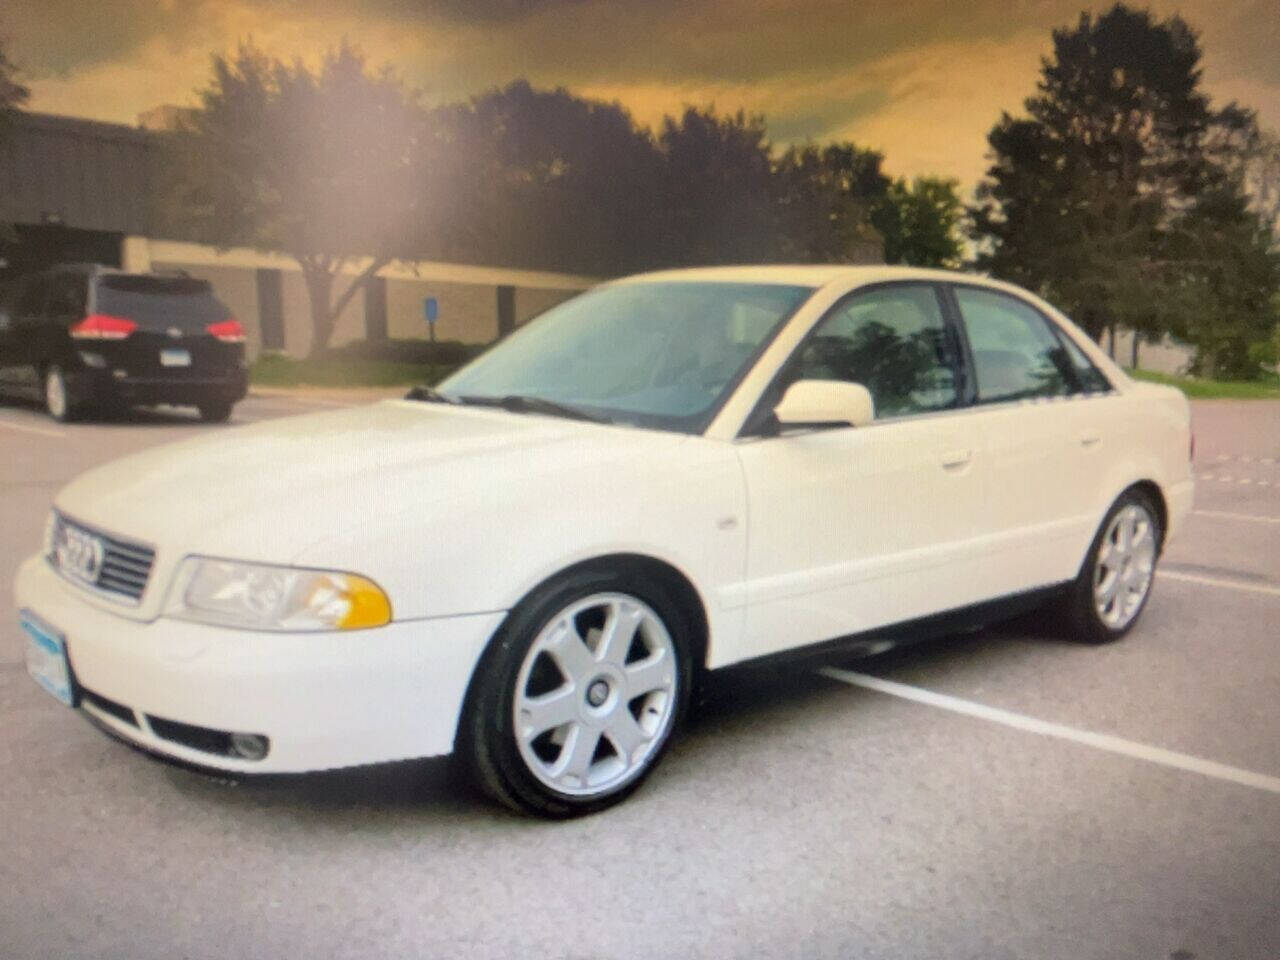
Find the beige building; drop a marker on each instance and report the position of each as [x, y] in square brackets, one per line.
[267, 294]
[75, 190]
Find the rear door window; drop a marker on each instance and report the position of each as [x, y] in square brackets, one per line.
[1092, 380]
[1015, 354]
[157, 303]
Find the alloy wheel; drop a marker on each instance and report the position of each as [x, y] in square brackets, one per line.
[596, 695]
[1125, 566]
[55, 393]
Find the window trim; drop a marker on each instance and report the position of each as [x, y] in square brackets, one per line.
[1055, 331]
[758, 422]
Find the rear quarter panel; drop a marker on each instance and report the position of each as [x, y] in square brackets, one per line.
[1150, 439]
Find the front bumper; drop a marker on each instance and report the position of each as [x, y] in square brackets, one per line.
[324, 700]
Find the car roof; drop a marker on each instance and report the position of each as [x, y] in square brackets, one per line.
[805, 275]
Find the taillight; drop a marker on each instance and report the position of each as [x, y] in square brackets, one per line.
[103, 326]
[228, 331]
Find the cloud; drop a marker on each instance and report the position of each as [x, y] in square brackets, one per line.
[922, 81]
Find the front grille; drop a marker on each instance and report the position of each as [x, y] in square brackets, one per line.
[125, 566]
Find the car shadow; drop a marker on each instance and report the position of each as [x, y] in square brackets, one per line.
[731, 703]
[160, 416]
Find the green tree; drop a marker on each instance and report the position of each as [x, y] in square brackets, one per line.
[718, 191]
[1095, 197]
[1260, 171]
[1227, 285]
[922, 222]
[321, 164]
[12, 94]
[825, 198]
[546, 179]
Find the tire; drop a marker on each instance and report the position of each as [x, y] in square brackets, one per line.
[57, 398]
[113, 410]
[559, 722]
[217, 411]
[1115, 581]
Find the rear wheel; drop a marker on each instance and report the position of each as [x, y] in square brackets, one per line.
[1115, 582]
[57, 398]
[576, 699]
[216, 411]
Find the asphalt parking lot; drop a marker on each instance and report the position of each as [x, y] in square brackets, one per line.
[997, 795]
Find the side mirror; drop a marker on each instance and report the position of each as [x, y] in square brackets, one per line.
[825, 403]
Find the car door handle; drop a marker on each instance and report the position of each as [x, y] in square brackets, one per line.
[956, 459]
[1090, 438]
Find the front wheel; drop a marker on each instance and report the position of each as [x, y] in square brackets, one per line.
[577, 697]
[1115, 582]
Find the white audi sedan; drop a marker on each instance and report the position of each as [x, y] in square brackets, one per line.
[532, 564]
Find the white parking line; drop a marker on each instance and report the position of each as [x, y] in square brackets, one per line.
[26, 429]
[1244, 458]
[1099, 741]
[1245, 517]
[1262, 588]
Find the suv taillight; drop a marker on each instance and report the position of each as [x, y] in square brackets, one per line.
[103, 326]
[228, 331]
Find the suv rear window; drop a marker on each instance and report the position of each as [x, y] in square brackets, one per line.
[157, 303]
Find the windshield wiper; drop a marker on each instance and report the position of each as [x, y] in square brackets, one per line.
[522, 403]
[428, 395]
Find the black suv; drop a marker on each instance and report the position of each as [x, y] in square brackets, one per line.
[90, 337]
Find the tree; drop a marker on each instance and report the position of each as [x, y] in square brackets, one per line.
[548, 179]
[1260, 171]
[921, 222]
[12, 94]
[1093, 196]
[718, 192]
[1228, 307]
[322, 164]
[826, 196]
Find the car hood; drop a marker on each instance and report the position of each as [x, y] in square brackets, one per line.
[267, 491]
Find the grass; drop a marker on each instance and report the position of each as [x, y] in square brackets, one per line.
[1267, 388]
[272, 370]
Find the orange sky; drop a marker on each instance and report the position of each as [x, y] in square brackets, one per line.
[921, 81]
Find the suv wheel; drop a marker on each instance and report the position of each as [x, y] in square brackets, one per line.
[57, 399]
[217, 411]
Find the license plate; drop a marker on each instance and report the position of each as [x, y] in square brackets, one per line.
[175, 358]
[47, 658]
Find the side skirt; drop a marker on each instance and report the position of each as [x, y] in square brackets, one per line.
[871, 642]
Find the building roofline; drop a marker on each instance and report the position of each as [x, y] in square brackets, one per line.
[81, 127]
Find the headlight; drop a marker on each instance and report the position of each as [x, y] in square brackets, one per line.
[268, 597]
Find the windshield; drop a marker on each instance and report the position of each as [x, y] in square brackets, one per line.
[158, 302]
[658, 354]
